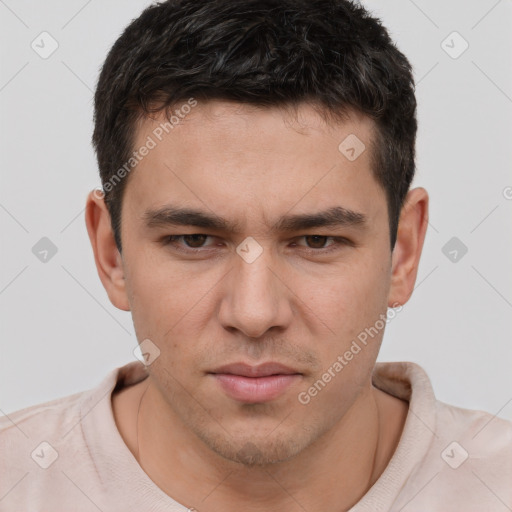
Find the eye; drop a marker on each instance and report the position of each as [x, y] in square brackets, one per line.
[197, 243]
[318, 243]
[193, 241]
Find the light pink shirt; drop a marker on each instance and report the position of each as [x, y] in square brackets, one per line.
[67, 455]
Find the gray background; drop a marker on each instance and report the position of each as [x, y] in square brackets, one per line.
[59, 332]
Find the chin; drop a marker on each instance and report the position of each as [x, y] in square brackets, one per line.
[255, 451]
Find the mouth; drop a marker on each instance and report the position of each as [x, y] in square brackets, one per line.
[255, 384]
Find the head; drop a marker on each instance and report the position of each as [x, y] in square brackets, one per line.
[280, 133]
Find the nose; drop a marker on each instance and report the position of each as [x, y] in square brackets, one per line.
[255, 298]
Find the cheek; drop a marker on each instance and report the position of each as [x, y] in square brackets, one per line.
[347, 306]
[348, 353]
[170, 309]
[350, 298]
[157, 289]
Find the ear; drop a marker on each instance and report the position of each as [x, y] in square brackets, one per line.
[108, 260]
[412, 228]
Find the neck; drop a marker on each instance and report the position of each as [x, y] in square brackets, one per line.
[333, 473]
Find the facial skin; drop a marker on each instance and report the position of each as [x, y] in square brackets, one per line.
[298, 303]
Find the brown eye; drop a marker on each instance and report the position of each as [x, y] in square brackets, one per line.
[316, 241]
[191, 243]
[195, 241]
[321, 244]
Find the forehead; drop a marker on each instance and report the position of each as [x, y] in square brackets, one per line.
[229, 157]
[228, 126]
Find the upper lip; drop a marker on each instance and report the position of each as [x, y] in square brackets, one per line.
[261, 370]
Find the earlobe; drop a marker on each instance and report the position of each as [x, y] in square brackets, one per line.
[412, 229]
[109, 263]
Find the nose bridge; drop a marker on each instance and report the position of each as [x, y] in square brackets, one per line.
[254, 299]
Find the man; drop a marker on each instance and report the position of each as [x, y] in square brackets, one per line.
[256, 219]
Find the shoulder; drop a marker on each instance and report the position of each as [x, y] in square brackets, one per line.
[479, 434]
[43, 444]
[448, 458]
[59, 416]
[50, 413]
[468, 464]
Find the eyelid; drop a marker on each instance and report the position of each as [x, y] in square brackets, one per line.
[166, 240]
[335, 239]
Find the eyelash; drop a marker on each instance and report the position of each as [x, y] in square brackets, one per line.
[171, 240]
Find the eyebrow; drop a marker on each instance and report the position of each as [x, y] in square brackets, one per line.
[336, 216]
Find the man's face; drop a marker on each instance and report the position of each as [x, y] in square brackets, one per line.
[290, 294]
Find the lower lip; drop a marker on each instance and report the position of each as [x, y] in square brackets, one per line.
[255, 389]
